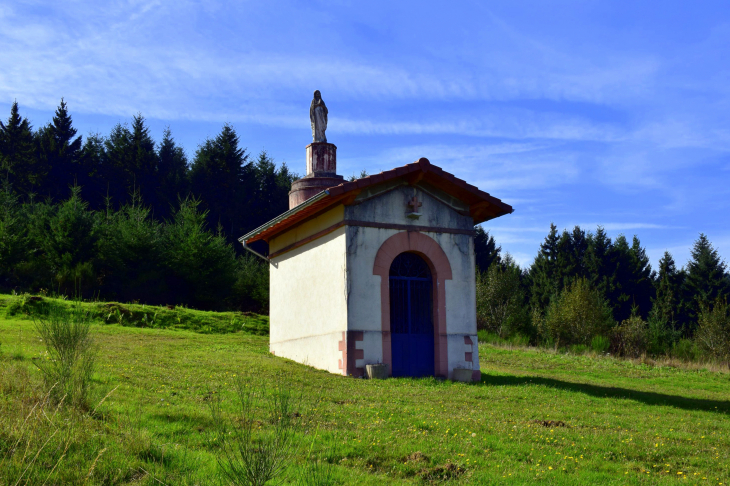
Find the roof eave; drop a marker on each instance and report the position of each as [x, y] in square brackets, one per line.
[316, 198]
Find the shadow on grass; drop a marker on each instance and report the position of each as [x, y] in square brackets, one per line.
[650, 398]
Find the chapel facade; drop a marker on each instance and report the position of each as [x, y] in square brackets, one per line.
[379, 270]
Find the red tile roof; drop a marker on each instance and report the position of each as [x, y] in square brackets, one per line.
[482, 206]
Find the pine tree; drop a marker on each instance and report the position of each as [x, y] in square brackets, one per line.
[117, 165]
[707, 279]
[13, 236]
[486, 250]
[92, 171]
[172, 174]
[59, 151]
[599, 263]
[221, 176]
[622, 297]
[642, 278]
[17, 153]
[200, 265]
[144, 161]
[669, 303]
[571, 253]
[543, 277]
[270, 197]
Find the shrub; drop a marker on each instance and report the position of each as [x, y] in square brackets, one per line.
[501, 300]
[251, 290]
[579, 349]
[69, 361]
[686, 349]
[577, 315]
[713, 331]
[600, 344]
[253, 455]
[629, 338]
[660, 336]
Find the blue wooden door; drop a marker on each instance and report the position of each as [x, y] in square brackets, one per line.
[411, 316]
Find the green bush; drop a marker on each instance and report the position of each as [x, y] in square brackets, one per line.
[629, 339]
[251, 290]
[600, 344]
[577, 315]
[69, 361]
[501, 302]
[660, 336]
[686, 350]
[579, 349]
[713, 331]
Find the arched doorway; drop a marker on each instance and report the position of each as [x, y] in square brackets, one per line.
[411, 316]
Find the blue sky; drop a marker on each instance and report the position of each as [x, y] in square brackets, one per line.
[575, 112]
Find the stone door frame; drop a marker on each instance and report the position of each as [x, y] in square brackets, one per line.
[428, 249]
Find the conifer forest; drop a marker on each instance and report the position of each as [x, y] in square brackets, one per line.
[125, 217]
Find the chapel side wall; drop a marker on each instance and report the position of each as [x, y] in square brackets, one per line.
[364, 288]
[308, 315]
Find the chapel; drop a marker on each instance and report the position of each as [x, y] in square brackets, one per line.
[375, 271]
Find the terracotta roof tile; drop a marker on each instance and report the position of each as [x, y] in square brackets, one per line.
[432, 174]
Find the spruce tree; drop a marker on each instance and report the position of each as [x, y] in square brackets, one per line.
[17, 153]
[544, 277]
[707, 279]
[172, 174]
[117, 164]
[669, 303]
[642, 278]
[599, 263]
[13, 236]
[59, 151]
[144, 161]
[270, 198]
[486, 250]
[221, 175]
[93, 171]
[571, 252]
[622, 297]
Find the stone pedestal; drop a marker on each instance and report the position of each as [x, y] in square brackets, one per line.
[321, 173]
[376, 371]
[321, 158]
[462, 374]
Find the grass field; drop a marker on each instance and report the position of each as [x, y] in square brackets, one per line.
[536, 415]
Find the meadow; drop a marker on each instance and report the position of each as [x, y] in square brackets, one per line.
[536, 414]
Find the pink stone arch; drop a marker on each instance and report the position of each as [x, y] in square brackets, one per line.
[433, 254]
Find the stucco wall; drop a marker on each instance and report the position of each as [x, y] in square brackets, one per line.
[308, 302]
[391, 206]
[363, 289]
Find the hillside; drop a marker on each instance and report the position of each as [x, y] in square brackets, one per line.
[563, 418]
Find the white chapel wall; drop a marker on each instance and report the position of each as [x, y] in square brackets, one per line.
[308, 302]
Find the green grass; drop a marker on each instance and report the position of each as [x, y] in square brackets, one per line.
[139, 315]
[536, 415]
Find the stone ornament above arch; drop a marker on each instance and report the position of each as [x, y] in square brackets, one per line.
[438, 262]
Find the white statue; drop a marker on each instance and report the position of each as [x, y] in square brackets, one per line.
[318, 117]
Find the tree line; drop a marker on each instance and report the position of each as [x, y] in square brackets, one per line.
[236, 191]
[124, 217]
[586, 290]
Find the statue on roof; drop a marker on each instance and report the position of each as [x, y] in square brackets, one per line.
[318, 117]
